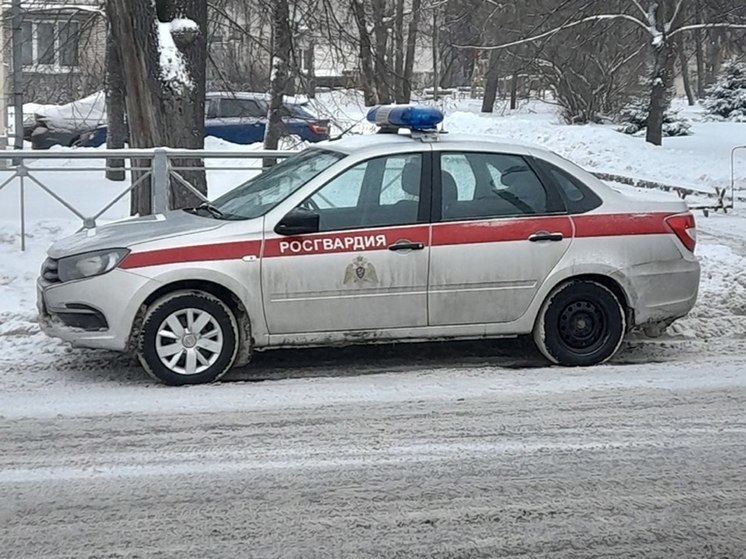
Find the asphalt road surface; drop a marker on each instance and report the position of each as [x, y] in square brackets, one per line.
[647, 468]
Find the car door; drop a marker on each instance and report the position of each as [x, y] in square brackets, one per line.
[366, 267]
[499, 234]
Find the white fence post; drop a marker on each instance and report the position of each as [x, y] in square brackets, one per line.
[160, 181]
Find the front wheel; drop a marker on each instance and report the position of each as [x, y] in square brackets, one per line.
[188, 337]
[581, 323]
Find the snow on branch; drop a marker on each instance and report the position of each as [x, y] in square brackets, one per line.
[184, 25]
[639, 7]
[707, 26]
[604, 17]
[174, 72]
[669, 25]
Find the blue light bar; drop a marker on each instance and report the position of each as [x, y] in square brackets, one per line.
[419, 118]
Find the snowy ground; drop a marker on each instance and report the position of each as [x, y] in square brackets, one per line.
[447, 450]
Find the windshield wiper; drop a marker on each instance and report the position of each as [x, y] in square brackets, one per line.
[209, 208]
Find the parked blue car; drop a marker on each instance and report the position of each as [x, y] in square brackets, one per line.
[241, 118]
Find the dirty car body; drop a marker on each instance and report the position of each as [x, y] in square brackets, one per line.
[375, 239]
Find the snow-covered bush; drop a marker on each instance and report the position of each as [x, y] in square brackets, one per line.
[727, 97]
[634, 117]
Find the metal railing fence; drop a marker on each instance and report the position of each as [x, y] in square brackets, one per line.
[160, 168]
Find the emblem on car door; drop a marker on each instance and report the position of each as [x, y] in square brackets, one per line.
[359, 272]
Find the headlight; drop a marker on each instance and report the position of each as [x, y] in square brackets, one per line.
[91, 264]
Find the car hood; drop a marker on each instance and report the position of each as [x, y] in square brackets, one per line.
[130, 232]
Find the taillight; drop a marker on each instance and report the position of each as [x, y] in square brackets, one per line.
[318, 129]
[685, 229]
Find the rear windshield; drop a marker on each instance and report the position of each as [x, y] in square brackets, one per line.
[297, 111]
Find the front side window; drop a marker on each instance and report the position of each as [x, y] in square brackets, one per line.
[376, 193]
[262, 193]
[490, 185]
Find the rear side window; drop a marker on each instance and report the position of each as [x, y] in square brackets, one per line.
[492, 185]
[578, 197]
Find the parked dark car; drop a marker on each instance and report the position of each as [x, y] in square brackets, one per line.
[239, 118]
[62, 125]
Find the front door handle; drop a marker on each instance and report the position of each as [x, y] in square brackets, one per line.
[543, 236]
[406, 245]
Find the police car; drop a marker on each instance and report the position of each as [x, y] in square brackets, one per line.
[408, 235]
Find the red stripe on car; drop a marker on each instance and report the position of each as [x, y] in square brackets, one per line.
[498, 231]
[619, 225]
[201, 253]
[443, 234]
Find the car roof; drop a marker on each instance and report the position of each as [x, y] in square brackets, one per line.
[458, 142]
[237, 95]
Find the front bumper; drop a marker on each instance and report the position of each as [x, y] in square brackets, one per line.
[96, 312]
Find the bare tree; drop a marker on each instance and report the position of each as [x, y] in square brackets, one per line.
[366, 54]
[116, 129]
[662, 22]
[282, 48]
[163, 58]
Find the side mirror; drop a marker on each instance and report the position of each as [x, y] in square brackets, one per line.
[298, 221]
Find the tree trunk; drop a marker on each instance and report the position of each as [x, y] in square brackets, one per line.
[414, 25]
[398, 46]
[382, 81]
[665, 57]
[281, 51]
[165, 105]
[684, 63]
[700, 66]
[366, 55]
[310, 63]
[185, 107]
[514, 92]
[714, 56]
[436, 55]
[116, 128]
[491, 82]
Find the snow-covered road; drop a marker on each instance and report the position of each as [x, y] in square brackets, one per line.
[603, 462]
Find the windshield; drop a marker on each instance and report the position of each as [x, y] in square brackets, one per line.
[260, 194]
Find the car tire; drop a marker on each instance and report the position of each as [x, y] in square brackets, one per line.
[581, 323]
[188, 337]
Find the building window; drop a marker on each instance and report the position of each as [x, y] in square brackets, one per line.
[50, 45]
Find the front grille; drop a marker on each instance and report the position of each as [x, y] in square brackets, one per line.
[50, 271]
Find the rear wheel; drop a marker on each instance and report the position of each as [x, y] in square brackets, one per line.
[188, 337]
[581, 323]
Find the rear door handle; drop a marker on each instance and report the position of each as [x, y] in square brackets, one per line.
[543, 236]
[406, 245]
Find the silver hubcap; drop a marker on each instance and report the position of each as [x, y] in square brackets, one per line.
[189, 341]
